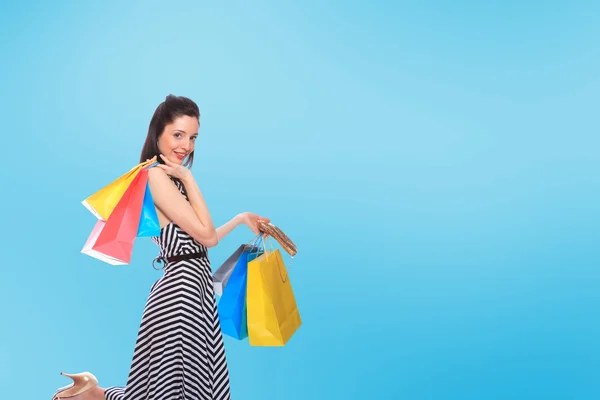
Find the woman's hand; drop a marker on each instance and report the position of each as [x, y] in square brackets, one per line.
[251, 220]
[175, 170]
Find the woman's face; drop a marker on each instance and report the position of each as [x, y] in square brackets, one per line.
[178, 138]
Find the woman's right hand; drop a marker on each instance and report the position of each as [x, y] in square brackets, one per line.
[175, 170]
[252, 221]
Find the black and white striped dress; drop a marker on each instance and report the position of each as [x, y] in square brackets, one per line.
[179, 353]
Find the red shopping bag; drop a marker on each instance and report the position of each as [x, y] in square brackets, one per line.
[112, 240]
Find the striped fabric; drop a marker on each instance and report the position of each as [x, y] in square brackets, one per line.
[179, 353]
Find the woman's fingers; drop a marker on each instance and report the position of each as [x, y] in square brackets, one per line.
[263, 219]
[169, 163]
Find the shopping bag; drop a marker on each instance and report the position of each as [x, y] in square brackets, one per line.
[103, 202]
[112, 240]
[223, 273]
[232, 305]
[272, 313]
[149, 225]
[91, 240]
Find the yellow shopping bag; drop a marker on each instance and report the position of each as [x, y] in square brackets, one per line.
[103, 202]
[272, 313]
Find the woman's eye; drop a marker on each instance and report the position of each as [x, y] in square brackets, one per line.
[177, 134]
[194, 138]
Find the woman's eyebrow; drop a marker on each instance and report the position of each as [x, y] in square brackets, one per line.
[181, 130]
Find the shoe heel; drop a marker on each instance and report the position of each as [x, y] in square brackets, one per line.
[81, 378]
[82, 382]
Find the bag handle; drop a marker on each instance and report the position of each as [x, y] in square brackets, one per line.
[150, 163]
[278, 266]
[253, 242]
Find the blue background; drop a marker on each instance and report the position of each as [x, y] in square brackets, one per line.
[436, 164]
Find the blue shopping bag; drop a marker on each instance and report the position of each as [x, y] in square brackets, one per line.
[149, 225]
[232, 304]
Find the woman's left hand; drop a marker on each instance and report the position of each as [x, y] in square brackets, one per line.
[251, 220]
[175, 170]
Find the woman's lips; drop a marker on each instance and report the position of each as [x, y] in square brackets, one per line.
[181, 156]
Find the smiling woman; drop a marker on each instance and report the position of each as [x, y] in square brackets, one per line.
[179, 352]
[173, 130]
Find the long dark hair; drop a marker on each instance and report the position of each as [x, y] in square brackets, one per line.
[166, 112]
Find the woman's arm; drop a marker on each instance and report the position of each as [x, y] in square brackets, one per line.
[227, 227]
[246, 218]
[199, 221]
[174, 206]
[197, 201]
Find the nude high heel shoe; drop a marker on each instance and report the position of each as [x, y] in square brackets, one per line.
[82, 382]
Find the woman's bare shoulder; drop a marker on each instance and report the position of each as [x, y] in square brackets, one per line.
[160, 181]
[154, 172]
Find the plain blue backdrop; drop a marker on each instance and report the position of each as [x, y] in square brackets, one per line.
[436, 163]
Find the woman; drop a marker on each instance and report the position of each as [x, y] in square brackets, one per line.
[179, 353]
